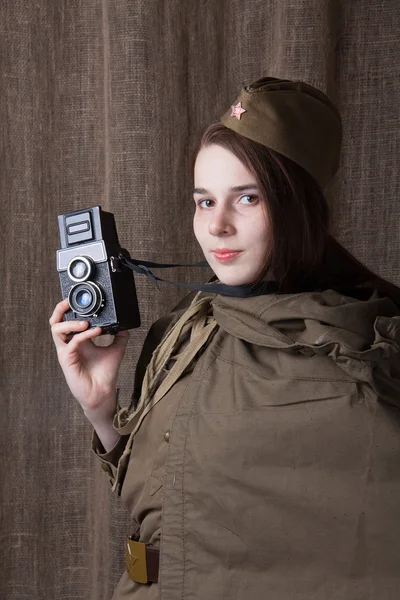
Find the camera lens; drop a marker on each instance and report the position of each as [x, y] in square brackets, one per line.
[86, 299]
[80, 268]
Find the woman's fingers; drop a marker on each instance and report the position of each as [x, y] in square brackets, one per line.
[82, 337]
[61, 329]
[58, 313]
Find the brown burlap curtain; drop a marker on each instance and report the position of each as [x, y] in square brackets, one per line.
[101, 103]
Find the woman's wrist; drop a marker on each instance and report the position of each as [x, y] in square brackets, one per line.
[104, 411]
[100, 417]
[106, 433]
[101, 420]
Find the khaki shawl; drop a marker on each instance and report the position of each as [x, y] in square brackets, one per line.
[201, 323]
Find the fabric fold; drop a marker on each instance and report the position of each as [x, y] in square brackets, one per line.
[201, 323]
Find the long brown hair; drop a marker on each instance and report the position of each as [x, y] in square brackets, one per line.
[302, 255]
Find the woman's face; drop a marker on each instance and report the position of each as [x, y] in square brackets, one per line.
[229, 216]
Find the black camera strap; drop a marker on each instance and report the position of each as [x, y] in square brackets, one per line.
[238, 291]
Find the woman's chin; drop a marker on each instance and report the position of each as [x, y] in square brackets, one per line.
[231, 279]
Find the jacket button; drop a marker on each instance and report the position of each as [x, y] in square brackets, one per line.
[106, 468]
[166, 436]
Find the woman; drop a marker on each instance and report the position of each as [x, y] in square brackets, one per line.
[259, 457]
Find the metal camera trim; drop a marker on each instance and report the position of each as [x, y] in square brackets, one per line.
[87, 261]
[99, 304]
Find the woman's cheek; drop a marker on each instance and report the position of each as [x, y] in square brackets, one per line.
[198, 229]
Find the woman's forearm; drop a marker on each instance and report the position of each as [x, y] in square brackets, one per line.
[103, 425]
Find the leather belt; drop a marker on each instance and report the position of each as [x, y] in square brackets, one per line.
[142, 561]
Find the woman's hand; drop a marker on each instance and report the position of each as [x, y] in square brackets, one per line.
[90, 371]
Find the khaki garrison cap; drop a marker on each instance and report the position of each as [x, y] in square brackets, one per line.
[293, 118]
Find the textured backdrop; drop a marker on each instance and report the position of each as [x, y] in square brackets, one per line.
[101, 103]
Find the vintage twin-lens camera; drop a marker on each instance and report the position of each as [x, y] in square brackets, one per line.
[99, 288]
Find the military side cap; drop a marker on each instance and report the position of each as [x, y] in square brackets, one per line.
[293, 118]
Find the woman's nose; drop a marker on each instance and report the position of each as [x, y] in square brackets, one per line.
[220, 224]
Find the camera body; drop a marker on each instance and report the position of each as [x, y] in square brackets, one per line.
[99, 288]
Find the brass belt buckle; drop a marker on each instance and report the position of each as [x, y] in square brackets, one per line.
[135, 555]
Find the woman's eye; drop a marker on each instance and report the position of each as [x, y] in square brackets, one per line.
[201, 203]
[252, 199]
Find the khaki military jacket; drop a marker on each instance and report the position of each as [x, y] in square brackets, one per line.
[271, 469]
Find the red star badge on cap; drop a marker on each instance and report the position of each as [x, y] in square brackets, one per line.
[237, 110]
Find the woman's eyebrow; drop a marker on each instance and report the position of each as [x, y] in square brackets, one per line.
[237, 188]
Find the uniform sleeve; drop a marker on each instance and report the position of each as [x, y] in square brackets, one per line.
[109, 460]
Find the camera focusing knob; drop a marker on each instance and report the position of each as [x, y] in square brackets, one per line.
[115, 264]
[101, 306]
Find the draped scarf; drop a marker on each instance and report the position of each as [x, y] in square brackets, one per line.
[199, 321]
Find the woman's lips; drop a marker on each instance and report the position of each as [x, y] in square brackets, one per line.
[224, 256]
